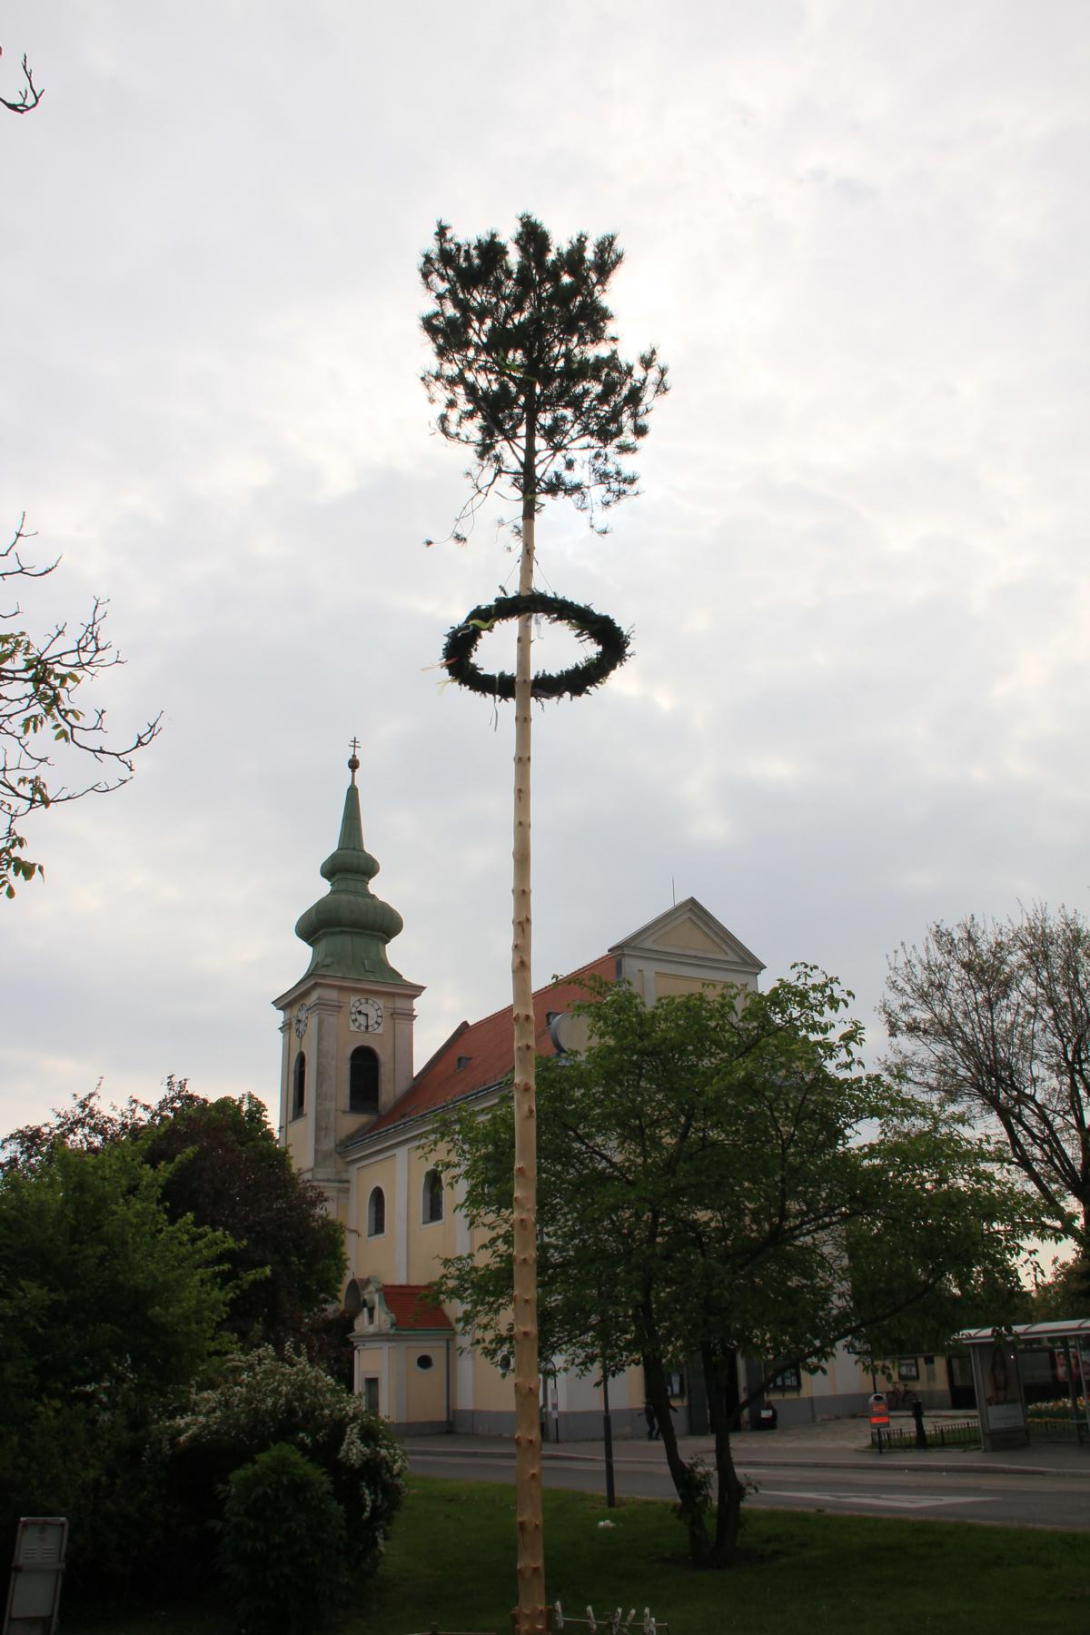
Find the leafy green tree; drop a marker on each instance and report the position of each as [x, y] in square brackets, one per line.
[227, 1170]
[221, 1165]
[528, 378]
[89, 1125]
[721, 1177]
[994, 1018]
[1063, 1294]
[42, 713]
[109, 1310]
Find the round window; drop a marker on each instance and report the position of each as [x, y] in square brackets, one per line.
[425, 1362]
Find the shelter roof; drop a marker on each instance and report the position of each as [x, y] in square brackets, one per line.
[1076, 1328]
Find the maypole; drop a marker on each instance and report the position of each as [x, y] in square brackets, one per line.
[522, 378]
[528, 1509]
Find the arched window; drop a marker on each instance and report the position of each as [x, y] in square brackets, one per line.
[376, 1213]
[433, 1197]
[299, 1086]
[363, 1080]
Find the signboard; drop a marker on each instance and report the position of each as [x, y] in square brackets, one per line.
[34, 1593]
[999, 1395]
[1005, 1416]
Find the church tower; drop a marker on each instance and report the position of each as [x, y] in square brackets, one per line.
[348, 1022]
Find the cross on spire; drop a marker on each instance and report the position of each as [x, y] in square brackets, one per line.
[354, 765]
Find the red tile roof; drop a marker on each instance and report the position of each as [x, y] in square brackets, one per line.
[486, 1049]
[410, 1307]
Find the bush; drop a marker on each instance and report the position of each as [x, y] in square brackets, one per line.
[109, 1312]
[264, 1400]
[283, 1543]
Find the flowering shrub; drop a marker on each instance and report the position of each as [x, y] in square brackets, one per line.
[265, 1399]
[1059, 1409]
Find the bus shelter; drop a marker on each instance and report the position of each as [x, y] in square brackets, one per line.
[1006, 1370]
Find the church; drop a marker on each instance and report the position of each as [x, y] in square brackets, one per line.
[356, 1118]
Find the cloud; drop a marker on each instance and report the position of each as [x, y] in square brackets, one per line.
[855, 576]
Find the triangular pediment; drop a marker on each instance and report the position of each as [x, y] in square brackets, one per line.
[688, 932]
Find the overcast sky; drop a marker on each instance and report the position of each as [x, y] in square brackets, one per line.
[856, 574]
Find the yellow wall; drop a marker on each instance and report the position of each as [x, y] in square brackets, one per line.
[632, 1392]
[686, 934]
[427, 1243]
[667, 985]
[372, 1360]
[375, 1257]
[491, 1391]
[426, 1391]
[300, 1131]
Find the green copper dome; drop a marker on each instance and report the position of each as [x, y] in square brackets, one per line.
[348, 929]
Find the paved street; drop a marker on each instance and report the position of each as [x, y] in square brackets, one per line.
[827, 1467]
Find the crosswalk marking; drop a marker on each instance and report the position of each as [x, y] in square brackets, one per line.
[901, 1501]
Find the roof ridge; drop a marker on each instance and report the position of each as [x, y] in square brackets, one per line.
[553, 982]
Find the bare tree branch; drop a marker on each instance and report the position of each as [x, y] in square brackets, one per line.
[39, 714]
[29, 97]
[996, 1018]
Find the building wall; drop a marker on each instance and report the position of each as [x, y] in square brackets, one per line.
[429, 1241]
[375, 1256]
[668, 986]
[327, 1045]
[426, 1391]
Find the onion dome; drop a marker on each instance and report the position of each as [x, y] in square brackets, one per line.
[348, 929]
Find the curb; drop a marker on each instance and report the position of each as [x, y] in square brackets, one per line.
[941, 1467]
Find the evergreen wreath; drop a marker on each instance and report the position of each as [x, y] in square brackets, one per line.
[599, 628]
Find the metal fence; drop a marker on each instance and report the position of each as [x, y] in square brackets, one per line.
[958, 1435]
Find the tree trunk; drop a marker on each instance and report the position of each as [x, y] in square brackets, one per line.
[531, 1551]
[729, 1490]
[692, 1505]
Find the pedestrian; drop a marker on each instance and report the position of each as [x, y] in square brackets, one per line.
[652, 1423]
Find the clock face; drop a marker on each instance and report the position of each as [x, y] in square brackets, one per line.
[365, 1016]
[301, 1016]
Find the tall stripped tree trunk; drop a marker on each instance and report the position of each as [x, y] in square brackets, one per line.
[531, 1544]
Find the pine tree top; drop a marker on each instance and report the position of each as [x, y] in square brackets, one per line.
[527, 371]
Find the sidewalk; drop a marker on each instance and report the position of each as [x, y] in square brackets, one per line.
[831, 1444]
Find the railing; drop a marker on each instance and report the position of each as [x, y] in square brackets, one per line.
[967, 1434]
[1056, 1428]
[959, 1435]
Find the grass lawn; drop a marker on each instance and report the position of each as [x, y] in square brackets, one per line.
[451, 1561]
